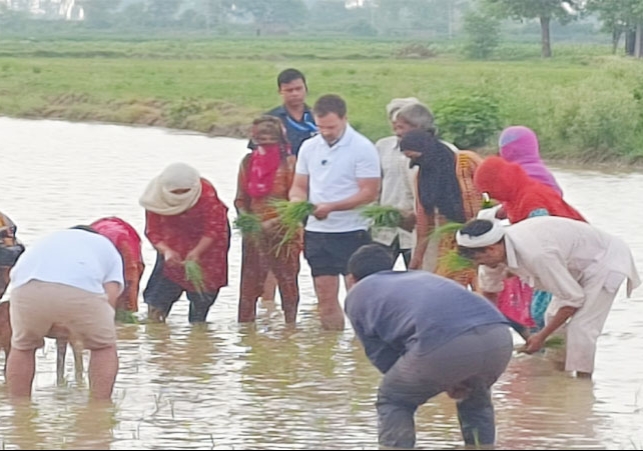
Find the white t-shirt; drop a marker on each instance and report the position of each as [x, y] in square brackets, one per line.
[77, 258]
[333, 173]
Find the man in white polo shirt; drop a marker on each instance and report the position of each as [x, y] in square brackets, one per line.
[338, 171]
[71, 279]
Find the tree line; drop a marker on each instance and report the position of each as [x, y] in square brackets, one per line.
[623, 19]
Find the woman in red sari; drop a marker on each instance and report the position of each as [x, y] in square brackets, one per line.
[266, 174]
[128, 244]
[521, 197]
[185, 221]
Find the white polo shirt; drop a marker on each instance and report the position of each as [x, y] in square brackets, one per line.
[71, 257]
[332, 176]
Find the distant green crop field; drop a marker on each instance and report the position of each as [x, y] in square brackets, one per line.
[585, 104]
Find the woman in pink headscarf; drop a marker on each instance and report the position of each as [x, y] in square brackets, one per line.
[519, 144]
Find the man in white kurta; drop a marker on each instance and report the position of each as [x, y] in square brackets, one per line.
[582, 266]
[398, 191]
[397, 188]
[399, 180]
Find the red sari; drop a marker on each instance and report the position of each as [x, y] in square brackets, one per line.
[128, 244]
[182, 232]
[519, 194]
[259, 256]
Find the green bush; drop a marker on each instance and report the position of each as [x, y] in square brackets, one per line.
[587, 121]
[468, 119]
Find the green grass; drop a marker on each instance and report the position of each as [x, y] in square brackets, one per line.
[581, 103]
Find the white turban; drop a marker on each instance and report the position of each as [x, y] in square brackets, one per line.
[396, 105]
[493, 236]
[159, 198]
[489, 213]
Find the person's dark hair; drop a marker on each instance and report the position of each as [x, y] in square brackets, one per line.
[474, 228]
[330, 103]
[270, 125]
[369, 259]
[438, 184]
[290, 75]
[86, 228]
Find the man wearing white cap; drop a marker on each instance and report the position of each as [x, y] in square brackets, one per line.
[398, 187]
[582, 266]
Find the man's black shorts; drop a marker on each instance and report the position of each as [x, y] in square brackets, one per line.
[328, 253]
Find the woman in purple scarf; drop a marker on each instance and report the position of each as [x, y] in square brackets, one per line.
[519, 144]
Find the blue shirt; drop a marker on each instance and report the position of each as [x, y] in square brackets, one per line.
[296, 131]
[394, 312]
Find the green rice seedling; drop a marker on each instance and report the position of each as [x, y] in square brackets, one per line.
[126, 317]
[291, 216]
[455, 262]
[449, 228]
[555, 342]
[486, 201]
[382, 216]
[194, 275]
[249, 225]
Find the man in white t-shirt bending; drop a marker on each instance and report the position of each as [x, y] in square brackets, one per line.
[338, 171]
[71, 278]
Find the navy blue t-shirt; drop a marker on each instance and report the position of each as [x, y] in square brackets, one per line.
[394, 312]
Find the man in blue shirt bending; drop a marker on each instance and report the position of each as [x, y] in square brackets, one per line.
[427, 335]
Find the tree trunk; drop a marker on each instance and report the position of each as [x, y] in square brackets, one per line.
[208, 15]
[630, 40]
[638, 45]
[546, 41]
[617, 31]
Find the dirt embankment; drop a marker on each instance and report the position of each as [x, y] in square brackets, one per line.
[214, 118]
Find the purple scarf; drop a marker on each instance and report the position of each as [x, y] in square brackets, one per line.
[519, 144]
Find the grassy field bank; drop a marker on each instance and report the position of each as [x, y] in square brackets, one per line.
[585, 104]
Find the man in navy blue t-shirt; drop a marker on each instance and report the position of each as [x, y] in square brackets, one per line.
[427, 335]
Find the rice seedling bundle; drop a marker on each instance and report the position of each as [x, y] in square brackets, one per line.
[450, 228]
[382, 216]
[126, 317]
[291, 216]
[249, 225]
[455, 262]
[194, 275]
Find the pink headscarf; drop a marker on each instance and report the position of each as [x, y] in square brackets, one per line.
[519, 144]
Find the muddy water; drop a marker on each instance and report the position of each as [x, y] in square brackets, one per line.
[267, 387]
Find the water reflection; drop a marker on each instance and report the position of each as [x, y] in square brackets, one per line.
[269, 386]
[81, 426]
